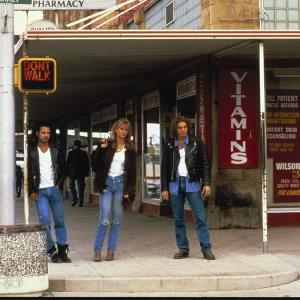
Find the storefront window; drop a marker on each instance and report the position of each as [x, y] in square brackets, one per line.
[152, 154]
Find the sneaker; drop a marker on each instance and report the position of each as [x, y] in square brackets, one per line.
[208, 255]
[63, 251]
[52, 253]
[181, 254]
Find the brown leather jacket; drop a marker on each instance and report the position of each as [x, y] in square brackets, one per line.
[101, 164]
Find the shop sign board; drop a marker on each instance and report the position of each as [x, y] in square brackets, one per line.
[66, 5]
[41, 25]
[151, 100]
[186, 88]
[283, 143]
[238, 113]
[37, 75]
[105, 114]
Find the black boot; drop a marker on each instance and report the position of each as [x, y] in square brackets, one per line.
[62, 253]
[52, 253]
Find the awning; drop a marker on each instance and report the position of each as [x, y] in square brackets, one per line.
[96, 65]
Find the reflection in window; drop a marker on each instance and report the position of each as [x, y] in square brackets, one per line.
[152, 154]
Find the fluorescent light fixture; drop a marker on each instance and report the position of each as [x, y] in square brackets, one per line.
[96, 134]
[83, 133]
[71, 132]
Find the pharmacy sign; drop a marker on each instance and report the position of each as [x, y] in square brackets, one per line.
[65, 5]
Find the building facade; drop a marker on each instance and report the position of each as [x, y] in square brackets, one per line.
[220, 95]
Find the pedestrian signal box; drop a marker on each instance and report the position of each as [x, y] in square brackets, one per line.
[37, 75]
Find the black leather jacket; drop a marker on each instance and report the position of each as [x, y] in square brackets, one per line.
[58, 164]
[101, 164]
[196, 159]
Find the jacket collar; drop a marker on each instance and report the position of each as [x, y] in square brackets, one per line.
[186, 141]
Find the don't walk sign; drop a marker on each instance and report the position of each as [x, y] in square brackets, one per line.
[36, 75]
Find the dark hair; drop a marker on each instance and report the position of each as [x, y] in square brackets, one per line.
[178, 120]
[77, 143]
[33, 140]
[42, 124]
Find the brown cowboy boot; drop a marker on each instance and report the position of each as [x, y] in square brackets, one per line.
[109, 256]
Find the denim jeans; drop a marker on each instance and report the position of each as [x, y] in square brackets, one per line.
[51, 197]
[195, 201]
[81, 185]
[111, 212]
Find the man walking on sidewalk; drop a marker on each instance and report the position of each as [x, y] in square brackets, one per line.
[45, 176]
[77, 169]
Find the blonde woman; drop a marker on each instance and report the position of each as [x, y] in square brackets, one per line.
[114, 165]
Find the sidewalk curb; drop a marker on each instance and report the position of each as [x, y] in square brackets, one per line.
[172, 284]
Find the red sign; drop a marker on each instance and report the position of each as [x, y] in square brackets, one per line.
[238, 118]
[283, 143]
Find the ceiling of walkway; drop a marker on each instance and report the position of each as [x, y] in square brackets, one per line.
[93, 66]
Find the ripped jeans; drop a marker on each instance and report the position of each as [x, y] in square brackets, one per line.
[111, 212]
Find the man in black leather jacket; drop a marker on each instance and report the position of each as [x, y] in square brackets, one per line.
[45, 176]
[185, 173]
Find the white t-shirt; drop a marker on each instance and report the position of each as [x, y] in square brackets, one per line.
[46, 169]
[117, 164]
[182, 166]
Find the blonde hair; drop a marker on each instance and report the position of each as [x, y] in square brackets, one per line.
[117, 124]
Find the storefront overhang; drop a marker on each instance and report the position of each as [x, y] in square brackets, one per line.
[95, 66]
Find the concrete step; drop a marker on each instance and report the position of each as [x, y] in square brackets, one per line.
[168, 275]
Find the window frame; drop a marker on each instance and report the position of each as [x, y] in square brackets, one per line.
[167, 23]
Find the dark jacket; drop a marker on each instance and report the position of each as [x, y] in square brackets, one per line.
[196, 159]
[58, 164]
[77, 163]
[101, 165]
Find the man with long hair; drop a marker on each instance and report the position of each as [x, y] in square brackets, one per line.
[186, 173]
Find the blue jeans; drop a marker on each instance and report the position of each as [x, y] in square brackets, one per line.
[52, 197]
[81, 185]
[195, 201]
[111, 212]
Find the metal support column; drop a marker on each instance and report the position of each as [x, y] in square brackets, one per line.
[263, 135]
[7, 113]
[25, 145]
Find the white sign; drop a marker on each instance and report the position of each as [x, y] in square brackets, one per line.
[41, 25]
[66, 5]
